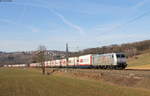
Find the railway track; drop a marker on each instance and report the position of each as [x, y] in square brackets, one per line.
[126, 72]
[137, 69]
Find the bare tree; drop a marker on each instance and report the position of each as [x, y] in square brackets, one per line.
[42, 57]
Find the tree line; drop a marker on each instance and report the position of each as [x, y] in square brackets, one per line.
[131, 49]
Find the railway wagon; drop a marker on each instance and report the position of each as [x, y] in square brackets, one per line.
[35, 65]
[71, 62]
[47, 63]
[57, 63]
[76, 61]
[16, 65]
[85, 61]
[63, 63]
[52, 63]
[105, 61]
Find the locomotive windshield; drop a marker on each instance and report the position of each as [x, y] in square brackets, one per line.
[120, 55]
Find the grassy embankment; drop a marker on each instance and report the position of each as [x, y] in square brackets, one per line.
[30, 82]
[140, 61]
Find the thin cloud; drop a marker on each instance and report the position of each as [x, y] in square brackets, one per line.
[106, 29]
[133, 19]
[67, 22]
[115, 27]
[140, 4]
[21, 16]
[7, 21]
[138, 17]
[33, 29]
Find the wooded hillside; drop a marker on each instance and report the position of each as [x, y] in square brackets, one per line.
[131, 49]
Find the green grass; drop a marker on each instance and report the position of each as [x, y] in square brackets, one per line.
[30, 82]
[143, 59]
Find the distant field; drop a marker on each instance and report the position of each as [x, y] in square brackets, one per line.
[30, 82]
[140, 60]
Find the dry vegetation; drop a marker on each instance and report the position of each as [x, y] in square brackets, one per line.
[140, 61]
[30, 82]
[128, 78]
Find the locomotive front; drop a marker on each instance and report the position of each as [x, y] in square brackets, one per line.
[121, 60]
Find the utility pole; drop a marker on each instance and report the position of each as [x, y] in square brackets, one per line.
[67, 55]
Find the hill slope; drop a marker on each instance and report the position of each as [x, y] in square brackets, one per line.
[140, 60]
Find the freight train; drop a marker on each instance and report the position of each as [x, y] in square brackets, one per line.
[102, 61]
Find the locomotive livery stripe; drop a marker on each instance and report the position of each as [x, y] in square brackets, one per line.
[90, 60]
[84, 64]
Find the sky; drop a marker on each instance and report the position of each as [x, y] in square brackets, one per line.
[26, 24]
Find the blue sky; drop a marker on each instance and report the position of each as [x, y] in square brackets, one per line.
[26, 24]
